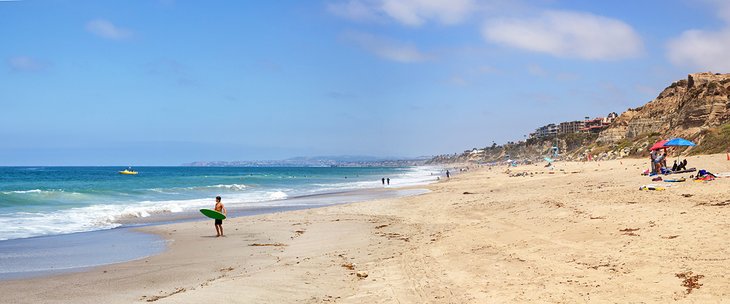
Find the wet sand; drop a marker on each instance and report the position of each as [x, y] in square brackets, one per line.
[75, 252]
[582, 234]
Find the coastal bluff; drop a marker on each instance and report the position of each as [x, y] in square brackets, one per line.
[696, 108]
[687, 108]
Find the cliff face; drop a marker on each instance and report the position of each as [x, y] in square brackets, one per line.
[696, 108]
[684, 109]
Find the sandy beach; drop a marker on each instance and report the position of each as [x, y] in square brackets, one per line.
[581, 233]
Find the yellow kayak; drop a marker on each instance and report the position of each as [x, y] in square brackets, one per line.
[128, 172]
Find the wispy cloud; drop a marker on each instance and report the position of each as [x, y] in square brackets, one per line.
[720, 7]
[567, 34]
[26, 64]
[386, 48]
[417, 12]
[702, 49]
[407, 12]
[105, 29]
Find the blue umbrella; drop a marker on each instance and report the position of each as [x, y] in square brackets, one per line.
[675, 142]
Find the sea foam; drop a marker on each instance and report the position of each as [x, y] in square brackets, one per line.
[61, 212]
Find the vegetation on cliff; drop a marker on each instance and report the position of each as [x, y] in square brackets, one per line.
[696, 108]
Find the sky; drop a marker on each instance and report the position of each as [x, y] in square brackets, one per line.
[165, 82]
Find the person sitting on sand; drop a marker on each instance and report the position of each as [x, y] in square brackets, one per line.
[675, 166]
[682, 165]
[658, 163]
[219, 223]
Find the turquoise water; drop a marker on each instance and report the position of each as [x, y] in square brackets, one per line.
[38, 201]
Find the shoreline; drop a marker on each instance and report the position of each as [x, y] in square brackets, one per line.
[583, 233]
[33, 257]
[316, 200]
[44, 256]
[39, 204]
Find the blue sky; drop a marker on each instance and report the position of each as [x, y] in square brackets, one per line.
[166, 82]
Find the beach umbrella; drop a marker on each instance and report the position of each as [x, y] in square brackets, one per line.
[659, 145]
[679, 142]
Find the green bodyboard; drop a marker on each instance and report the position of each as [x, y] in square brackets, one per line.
[213, 214]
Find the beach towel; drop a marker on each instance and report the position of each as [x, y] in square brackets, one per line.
[685, 171]
[679, 180]
[651, 187]
[705, 178]
[704, 175]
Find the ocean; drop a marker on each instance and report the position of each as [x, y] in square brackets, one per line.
[47, 201]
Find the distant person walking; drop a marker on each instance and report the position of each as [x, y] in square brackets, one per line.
[447, 174]
[382, 180]
[388, 180]
[219, 223]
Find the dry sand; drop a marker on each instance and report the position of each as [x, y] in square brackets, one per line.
[584, 234]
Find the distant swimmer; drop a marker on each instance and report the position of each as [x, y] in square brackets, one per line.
[222, 209]
[388, 180]
[382, 180]
[447, 174]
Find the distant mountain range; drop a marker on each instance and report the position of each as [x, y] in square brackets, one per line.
[319, 161]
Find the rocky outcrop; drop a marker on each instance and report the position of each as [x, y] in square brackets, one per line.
[696, 108]
[684, 109]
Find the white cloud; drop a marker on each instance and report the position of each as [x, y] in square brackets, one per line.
[701, 49]
[106, 29]
[386, 48]
[719, 7]
[25, 64]
[567, 34]
[705, 50]
[407, 12]
[417, 12]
